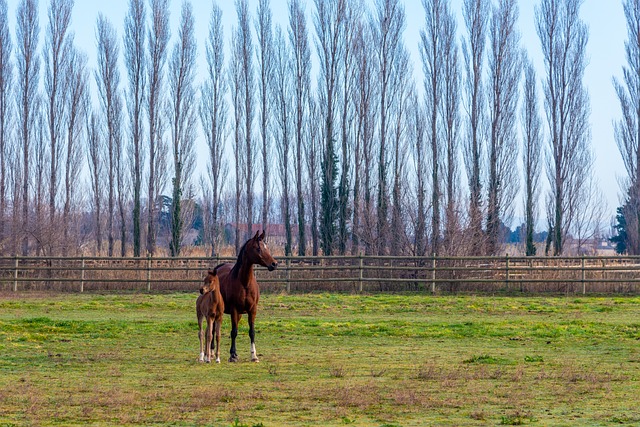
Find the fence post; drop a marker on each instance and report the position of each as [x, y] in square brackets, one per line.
[360, 271]
[584, 285]
[148, 272]
[507, 271]
[15, 276]
[433, 274]
[82, 276]
[287, 276]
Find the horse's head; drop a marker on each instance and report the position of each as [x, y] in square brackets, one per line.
[257, 252]
[210, 282]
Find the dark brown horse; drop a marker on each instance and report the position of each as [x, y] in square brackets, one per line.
[240, 290]
[209, 307]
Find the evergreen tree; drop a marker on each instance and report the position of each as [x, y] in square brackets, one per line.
[329, 199]
[620, 239]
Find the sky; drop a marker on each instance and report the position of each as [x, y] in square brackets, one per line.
[605, 50]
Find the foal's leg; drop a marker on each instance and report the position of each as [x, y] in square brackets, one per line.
[201, 338]
[217, 326]
[235, 319]
[209, 337]
[252, 335]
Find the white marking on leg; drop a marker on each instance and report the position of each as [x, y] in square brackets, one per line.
[254, 356]
[202, 356]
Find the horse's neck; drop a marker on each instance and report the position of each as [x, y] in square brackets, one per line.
[245, 273]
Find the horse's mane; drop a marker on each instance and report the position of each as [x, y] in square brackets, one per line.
[236, 268]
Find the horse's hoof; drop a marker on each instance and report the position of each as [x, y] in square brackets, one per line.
[208, 360]
[218, 360]
[233, 359]
[255, 360]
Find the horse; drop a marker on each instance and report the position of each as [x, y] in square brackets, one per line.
[210, 306]
[240, 290]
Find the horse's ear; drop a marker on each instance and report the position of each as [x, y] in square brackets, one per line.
[256, 236]
[212, 272]
[261, 236]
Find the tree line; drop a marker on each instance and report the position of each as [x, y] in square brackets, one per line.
[361, 157]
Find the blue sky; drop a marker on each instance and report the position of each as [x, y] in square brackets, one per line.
[605, 19]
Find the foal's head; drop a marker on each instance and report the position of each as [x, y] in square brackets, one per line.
[210, 282]
[257, 252]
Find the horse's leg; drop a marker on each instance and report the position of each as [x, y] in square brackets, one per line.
[209, 337]
[235, 319]
[252, 335]
[201, 338]
[217, 326]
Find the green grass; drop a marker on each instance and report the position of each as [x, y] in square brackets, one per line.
[326, 360]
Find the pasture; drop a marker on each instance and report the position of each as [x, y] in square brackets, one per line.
[326, 360]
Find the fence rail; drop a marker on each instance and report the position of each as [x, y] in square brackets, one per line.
[336, 273]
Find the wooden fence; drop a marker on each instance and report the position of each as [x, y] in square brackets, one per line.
[577, 275]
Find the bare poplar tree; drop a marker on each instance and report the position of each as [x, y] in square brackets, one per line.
[6, 123]
[57, 57]
[135, 61]
[590, 214]
[432, 52]
[158, 41]
[329, 20]
[389, 23]
[404, 88]
[207, 238]
[451, 98]
[95, 157]
[476, 15]
[563, 36]
[504, 66]
[28, 71]
[40, 234]
[417, 134]
[353, 12]
[532, 153]
[78, 104]
[182, 71]
[627, 128]
[282, 97]
[265, 69]
[243, 47]
[299, 39]
[108, 80]
[314, 154]
[235, 71]
[122, 184]
[213, 115]
[364, 99]
[15, 177]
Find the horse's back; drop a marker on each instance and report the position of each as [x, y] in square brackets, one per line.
[235, 295]
[223, 272]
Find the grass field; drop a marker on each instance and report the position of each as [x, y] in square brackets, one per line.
[326, 360]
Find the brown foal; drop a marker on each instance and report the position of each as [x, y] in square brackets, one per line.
[210, 306]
